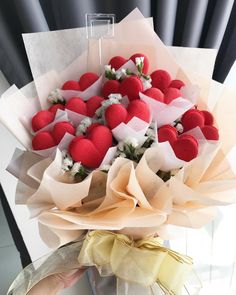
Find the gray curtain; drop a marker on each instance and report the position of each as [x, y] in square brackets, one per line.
[194, 23]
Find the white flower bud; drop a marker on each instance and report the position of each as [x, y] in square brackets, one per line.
[179, 127]
[114, 96]
[82, 127]
[146, 83]
[75, 169]
[107, 68]
[67, 162]
[131, 141]
[55, 96]
[121, 74]
[139, 60]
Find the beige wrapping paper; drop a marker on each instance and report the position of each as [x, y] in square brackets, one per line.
[130, 198]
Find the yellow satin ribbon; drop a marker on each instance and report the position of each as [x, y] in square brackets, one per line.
[136, 264]
[144, 261]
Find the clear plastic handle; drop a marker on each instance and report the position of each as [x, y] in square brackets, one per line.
[99, 26]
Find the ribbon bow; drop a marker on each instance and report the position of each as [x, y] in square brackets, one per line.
[140, 266]
[143, 262]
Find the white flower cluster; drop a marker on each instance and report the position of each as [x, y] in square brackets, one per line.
[139, 61]
[75, 168]
[131, 141]
[109, 69]
[67, 162]
[119, 74]
[129, 145]
[178, 125]
[113, 98]
[146, 82]
[55, 96]
[84, 124]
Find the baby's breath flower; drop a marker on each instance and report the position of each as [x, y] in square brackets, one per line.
[113, 98]
[107, 67]
[82, 127]
[75, 168]
[146, 82]
[67, 162]
[121, 74]
[131, 141]
[139, 60]
[55, 96]
[179, 127]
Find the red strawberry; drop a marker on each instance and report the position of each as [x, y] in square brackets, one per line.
[185, 147]
[209, 119]
[145, 62]
[71, 85]
[77, 105]
[110, 86]
[42, 119]
[192, 118]
[43, 140]
[117, 113]
[117, 62]
[210, 132]
[155, 93]
[93, 104]
[176, 84]
[90, 151]
[160, 79]
[60, 129]
[56, 107]
[87, 80]
[131, 87]
[167, 133]
[171, 94]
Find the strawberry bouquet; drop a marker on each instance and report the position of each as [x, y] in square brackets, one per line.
[118, 159]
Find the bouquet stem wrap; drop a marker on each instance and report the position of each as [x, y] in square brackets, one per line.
[138, 265]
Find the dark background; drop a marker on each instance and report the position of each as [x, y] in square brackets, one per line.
[194, 23]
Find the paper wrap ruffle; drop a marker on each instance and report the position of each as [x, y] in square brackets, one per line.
[139, 266]
[128, 198]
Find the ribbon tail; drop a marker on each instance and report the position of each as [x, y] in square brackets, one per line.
[49, 272]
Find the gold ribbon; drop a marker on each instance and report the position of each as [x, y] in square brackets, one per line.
[143, 262]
